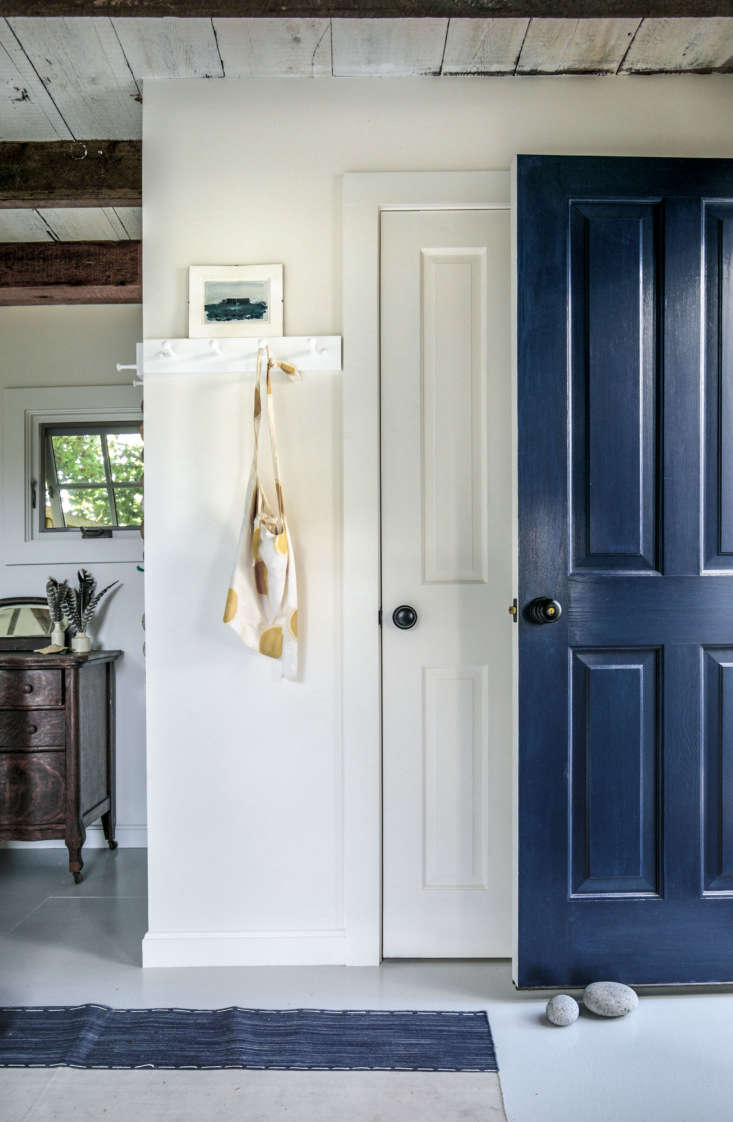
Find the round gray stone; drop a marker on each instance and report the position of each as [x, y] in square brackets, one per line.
[562, 1010]
[610, 999]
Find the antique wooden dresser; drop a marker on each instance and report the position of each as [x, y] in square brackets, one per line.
[57, 747]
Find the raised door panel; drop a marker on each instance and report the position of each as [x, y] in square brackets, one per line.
[615, 773]
[454, 309]
[718, 351]
[614, 385]
[718, 770]
[456, 739]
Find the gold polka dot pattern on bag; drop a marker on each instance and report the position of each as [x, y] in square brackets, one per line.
[262, 602]
[271, 642]
[261, 581]
[231, 606]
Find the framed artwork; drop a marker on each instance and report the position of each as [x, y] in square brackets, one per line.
[239, 301]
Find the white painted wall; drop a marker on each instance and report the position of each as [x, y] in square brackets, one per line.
[79, 346]
[246, 772]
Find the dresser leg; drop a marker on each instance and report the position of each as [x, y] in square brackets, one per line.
[76, 863]
[108, 825]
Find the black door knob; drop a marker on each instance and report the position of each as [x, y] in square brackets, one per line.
[404, 617]
[543, 610]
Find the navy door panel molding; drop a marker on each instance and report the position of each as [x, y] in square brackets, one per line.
[625, 423]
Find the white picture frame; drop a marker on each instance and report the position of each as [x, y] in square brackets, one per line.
[221, 298]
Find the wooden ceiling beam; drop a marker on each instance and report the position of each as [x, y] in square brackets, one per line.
[66, 173]
[369, 9]
[70, 273]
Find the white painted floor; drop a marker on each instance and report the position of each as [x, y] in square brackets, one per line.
[671, 1061]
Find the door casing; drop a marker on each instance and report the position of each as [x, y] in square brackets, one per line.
[365, 197]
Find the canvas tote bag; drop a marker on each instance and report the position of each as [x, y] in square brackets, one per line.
[262, 602]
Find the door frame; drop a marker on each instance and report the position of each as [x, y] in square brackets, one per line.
[365, 196]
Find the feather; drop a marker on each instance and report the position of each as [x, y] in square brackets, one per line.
[91, 607]
[69, 606]
[87, 585]
[55, 594]
[79, 604]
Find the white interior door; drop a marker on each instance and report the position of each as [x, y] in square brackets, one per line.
[446, 552]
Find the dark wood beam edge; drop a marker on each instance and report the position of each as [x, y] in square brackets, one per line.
[56, 295]
[62, 173]
[371, 9]
[70, 273]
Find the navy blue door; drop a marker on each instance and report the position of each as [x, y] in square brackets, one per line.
[625, 405]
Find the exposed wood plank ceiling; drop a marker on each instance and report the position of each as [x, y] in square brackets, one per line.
[70, 191]
[71, 224]
[83, 77]
[73, 70]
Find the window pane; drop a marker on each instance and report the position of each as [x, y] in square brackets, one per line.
[87, 507]
[48, 511]
[79, 458]
[125, 456]
[129, 503]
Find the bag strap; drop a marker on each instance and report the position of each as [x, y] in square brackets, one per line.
[264, 358]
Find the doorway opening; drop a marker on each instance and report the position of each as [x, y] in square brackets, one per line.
[72, 725]
[460, 817]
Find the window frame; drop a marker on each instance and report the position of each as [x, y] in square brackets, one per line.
[48, 460]
[25, 410]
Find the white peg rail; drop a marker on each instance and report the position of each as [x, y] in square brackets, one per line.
[234, 356]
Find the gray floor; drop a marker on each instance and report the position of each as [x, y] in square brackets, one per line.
[257, 1096]
[64, 944]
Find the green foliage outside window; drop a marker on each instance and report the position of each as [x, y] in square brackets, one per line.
[93, 477]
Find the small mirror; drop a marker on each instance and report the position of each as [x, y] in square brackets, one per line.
[23, 621]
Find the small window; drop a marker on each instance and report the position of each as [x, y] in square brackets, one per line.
[93, 477]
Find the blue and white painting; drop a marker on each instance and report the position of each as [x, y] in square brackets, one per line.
[236, 301]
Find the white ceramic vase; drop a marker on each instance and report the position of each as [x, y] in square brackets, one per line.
[81, 643]
[58, 635]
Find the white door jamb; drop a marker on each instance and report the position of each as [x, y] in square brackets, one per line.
[365, 196]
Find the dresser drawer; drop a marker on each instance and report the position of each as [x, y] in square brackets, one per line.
[32, 728]
[29, 688]
[32, 788]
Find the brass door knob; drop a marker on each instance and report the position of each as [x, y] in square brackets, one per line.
[543, 610]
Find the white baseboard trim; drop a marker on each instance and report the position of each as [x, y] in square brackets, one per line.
[364, 949]
[244, 948]
[128, 837]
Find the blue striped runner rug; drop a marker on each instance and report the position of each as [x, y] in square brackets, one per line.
[95, 1036]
